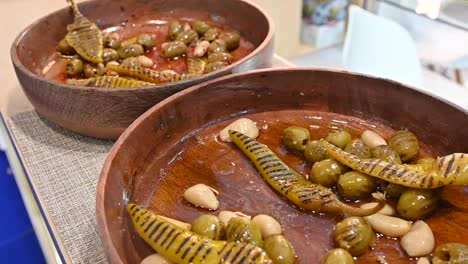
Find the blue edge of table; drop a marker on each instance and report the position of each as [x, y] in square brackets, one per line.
[13, 248]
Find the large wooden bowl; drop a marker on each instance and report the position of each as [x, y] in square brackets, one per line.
[105, 113]
[174, 145]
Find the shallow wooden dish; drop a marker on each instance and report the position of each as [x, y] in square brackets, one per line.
[105, 113]
[174, 145]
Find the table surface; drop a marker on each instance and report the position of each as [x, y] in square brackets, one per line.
[57, 170]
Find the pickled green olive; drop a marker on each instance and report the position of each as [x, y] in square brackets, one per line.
[356, 185]
[91, 70]
[211, 34]
[131, 62]
[415, 204]
[386, 153]
[451, 253]
[425, 161]
[132, 50]
[174, 49]
[240, 229]
[112, 40]
[326, 172]
[220, 56]
[405, 143]
[337, 256]
[209, 226]
[74, 67]
[201, 27]
[128, 42]
[339, 138]
[148, 41]
[218, 45]
[64, 48]
[280, 250]
[232, 40]
[393, 190]
[296, 138]
[354, 235]
[314, 151]
[358, 148]
[214, 66]
[175, 27]
[187, 36]
[109, 55]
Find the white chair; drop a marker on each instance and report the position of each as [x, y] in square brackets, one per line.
[380, 47]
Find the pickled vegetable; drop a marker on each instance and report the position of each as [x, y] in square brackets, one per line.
[339, 138]
[386, 153]
[217, 46]
[215, 66]
[84, 36]
[174, 49]
[232, 40]
[112, 40]
[358, 148]
[220, 56]
[415, 204]
[450, 169]
[405, 143]
[209, 226]
[64, 48]
[201, 27]
[314, 152]
[240, 229]
[148, 41]
[109, 82]
[291, 184]
[148, 75]
[451, 253]
[337, 255]
[393, 190]
[211, 34]
[109, 55]
[195, 66]
[175, 27]
[326, 172]
[280, 250]
[91, 70]
[132, 50]
[187, 36]
[354, 235]
[296, 138]
[169, 240]
[356, 185]
[74, 67]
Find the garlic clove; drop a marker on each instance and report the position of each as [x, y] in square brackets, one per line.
[202, 196]
[243, 125]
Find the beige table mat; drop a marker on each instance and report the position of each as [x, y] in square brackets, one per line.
[63, 169]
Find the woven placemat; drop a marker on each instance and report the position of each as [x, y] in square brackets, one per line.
[64, 169]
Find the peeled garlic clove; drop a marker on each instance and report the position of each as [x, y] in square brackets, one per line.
[372, 139]
[145, 61]
[225, 216]
[419, 241]
[156, 259]
[202, 196]
[386, 210]
[243, 125]
[389, 225]
[268, 225]
[177, 222]
[423, 260]
[201, 48]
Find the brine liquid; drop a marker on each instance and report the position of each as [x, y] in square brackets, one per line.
[205, 159]
[55, 69]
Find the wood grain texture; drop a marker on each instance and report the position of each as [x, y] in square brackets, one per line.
[105, 113]
[174, 145]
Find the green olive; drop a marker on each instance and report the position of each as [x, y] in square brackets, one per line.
[112, 40]
[132, 50]
[405, 143]
[354, 235]
[131, 62]
[128, 42]
[296, 138]
[326, 172]
[393, 190]
[451, 253]
[339, 138]
[211, 34]
[337, 256]
[201, 27]
[220, 56]
[356, 185]
[358, 148]
[232, 40]
[280, 250]
[74, 67]
[314, 151]
[175, 27]
[415, 204]
[386, 153]
[214, 66]
[241, 229]
[218, 45]
[187, 36]
[109, 55]
[148, 41]
[174, 49]
[91, 70]
[64, 48]
[209, 226]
